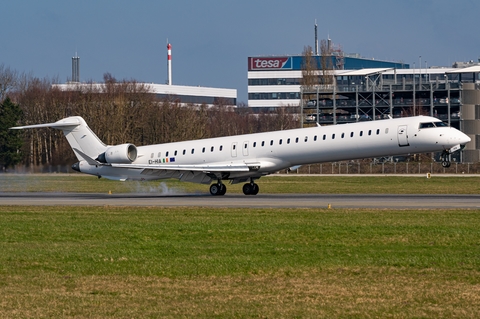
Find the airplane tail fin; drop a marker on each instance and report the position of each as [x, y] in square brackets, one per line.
[82, 140]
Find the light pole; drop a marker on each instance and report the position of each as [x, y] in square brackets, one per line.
[414, 113]
[420, 71]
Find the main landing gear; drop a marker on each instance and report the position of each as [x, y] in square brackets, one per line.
[250, 188]
[219, 188]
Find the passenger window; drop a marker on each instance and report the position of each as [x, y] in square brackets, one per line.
[343, 135]
[221, 148]
[378, 131]
[351, 134]
[333, 136]
[193, 150]
[152, 155]
[254, 144]
[369, 132]
[280, 142]
[296, 140]
[315, 138]
[166, 154]
[175, 153]
[306, 139]
[271, 142]
[263, 143]
[211, 149]
[184, 152]
[159, 154]
[288, 140]
[324, 137]
[361, 133]
[203, 150]
[386, 130]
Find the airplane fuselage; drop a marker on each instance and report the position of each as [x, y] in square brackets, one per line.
[269, 152]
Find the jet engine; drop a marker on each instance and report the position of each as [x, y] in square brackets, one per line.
[119, 154]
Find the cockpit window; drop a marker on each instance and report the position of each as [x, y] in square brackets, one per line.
[440, 124]
[432, 124]
[427, 125]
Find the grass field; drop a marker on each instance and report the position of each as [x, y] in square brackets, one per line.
[329, 184]
[153, 262]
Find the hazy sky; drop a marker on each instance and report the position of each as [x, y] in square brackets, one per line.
[211, 40]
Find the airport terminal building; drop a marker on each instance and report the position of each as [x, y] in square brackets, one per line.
[276, 81]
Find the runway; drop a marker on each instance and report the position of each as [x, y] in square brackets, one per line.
[378, 201]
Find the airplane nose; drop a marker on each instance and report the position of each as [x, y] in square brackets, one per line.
[463, 138]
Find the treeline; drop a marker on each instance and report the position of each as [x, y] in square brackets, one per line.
[120, 112]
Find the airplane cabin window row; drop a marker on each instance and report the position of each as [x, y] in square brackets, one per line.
[280, 142]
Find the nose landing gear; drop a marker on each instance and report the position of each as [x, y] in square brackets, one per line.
[446, 159]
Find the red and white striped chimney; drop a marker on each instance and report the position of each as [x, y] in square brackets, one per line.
[169, 64]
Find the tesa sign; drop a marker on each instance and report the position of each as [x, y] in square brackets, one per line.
[269, 63]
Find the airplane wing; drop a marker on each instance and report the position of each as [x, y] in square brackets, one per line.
[189, 173]
[206, 168]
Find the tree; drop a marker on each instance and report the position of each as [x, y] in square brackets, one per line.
[10, 140]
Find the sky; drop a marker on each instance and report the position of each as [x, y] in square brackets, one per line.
[212, 39]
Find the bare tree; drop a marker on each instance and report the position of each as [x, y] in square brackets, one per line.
[8, 80]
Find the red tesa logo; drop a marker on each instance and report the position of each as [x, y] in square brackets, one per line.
[267, 63]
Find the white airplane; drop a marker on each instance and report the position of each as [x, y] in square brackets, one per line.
[245, 158]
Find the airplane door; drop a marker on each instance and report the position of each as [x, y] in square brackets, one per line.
[245, 148]
[234, 149]
[402, 135]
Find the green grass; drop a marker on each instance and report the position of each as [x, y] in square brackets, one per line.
[97, 262]
[270, 184]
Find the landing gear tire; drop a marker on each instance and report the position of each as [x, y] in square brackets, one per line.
[446, 164]
[218, 189]
[250, 189]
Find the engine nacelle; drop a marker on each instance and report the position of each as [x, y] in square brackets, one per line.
[119, 154]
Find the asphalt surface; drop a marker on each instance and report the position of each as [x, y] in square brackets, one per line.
[379, 201]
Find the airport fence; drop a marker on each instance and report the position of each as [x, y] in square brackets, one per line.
[387, 168]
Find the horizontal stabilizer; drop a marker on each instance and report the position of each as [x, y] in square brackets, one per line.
[68, 122]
